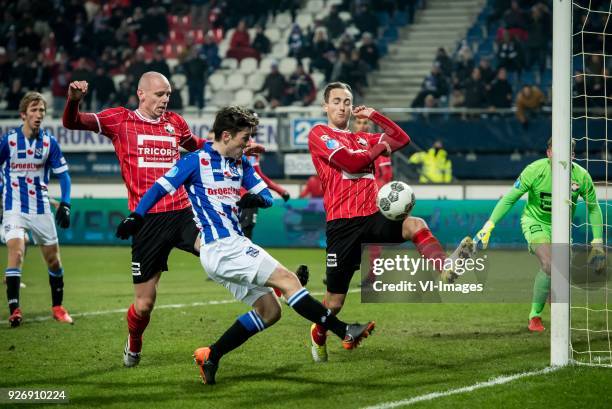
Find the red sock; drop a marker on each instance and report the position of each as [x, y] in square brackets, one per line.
[429, 247]
[277, 292]
[136, 326]
[319, 333]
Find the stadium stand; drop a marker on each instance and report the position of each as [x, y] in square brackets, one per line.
[398, 43]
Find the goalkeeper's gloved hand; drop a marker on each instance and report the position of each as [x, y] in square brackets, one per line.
[129, 226]
[250, 200]
[62, 215]
[597, 256]
[285, 195]
[484, 234]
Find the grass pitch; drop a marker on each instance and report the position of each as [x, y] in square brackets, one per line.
[417, 349]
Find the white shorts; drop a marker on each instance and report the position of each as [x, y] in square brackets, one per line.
[240, 266]
[41, 226]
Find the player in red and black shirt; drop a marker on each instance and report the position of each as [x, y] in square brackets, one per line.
[345, 164]
[146, 142]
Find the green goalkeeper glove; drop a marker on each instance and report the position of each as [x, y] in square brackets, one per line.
[597, 256]
[484, 234]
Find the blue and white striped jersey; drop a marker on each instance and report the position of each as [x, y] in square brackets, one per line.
[25, 165]
[213, 185]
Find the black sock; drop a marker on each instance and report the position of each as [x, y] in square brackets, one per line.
[314, 311]
[241, 330]
[57, 289]
[13, 280]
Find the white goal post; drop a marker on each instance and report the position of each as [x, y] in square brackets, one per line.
[561, 165]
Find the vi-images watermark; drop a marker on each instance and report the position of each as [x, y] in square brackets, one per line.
[412, 269]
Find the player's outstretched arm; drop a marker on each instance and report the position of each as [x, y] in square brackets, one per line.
[393, 134]
[72, 118]
[272, 184]
[502, 207]
[178, 175]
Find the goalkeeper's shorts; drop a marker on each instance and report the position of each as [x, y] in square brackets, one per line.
[535, 232]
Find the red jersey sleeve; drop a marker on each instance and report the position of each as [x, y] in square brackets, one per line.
[394, 135]
[109, 121]
[73, 119]
[372, 138]
[187, 139]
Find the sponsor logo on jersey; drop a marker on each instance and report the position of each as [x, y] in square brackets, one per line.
[231, 171]
[332, 144]
[332, 260]
[155, 151]
[252, 251]
[325, 138]
[169, 128]
[222, 191]
[26, 166]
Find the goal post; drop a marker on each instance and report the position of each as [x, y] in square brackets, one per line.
[561, 166]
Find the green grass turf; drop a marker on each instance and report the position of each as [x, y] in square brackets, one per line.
[417, 349]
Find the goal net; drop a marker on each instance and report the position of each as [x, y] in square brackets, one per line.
[590, 318]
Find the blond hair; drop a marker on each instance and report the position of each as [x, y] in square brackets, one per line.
[28, 98]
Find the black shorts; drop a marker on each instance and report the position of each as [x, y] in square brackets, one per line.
[344, 240]
[160, 233]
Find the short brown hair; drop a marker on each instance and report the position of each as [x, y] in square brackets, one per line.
[233, 119]
[335, 85]
[28, 98]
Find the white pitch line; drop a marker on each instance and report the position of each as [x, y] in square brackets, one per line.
[157, 307]
[435, 395]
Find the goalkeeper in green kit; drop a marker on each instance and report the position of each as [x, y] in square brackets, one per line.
[536, 180]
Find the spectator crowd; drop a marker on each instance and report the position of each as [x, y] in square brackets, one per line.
[46, 44]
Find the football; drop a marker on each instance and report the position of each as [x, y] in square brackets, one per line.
[395, 200]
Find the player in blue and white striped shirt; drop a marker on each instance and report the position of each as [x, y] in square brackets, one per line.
[27, 156]
[213, 177]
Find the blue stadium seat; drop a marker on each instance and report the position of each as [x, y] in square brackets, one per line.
[400, 19]
[383, 18]
[391, 34]
[475, 31]
[527, 77]
[383, 48]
